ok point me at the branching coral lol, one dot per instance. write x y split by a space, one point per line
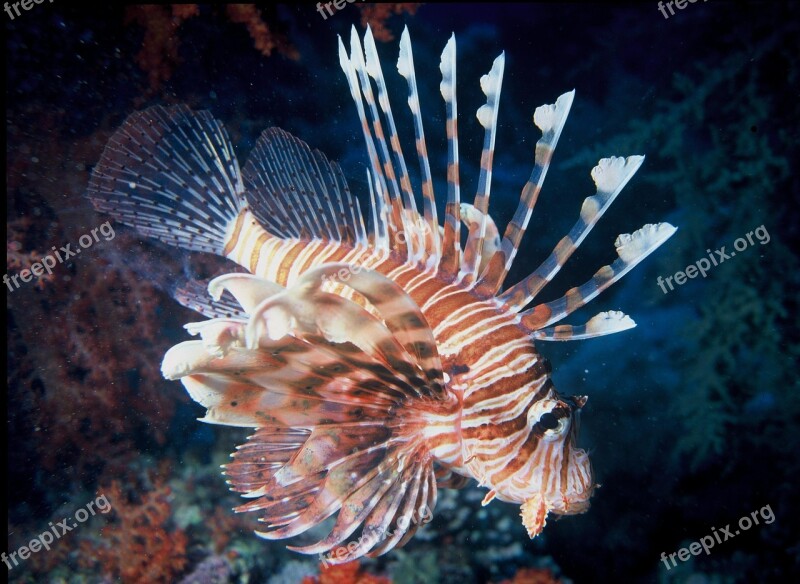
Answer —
159 55
376 15
533 576
20 232
349 573
139 547
19 261
83 382
90 395
265 39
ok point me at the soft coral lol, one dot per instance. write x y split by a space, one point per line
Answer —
349 573
138 548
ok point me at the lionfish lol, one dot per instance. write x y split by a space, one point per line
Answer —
375 365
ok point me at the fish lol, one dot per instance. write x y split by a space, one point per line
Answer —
375 365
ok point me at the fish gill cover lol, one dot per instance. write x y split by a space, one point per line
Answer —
692 415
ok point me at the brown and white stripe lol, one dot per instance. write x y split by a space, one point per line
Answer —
374 366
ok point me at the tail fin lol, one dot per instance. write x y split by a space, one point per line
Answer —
171 173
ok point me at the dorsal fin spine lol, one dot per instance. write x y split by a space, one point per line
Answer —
451 247
398 219
375 71
491 85
405 66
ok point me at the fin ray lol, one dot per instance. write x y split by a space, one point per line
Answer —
550 119
405 66
295 192
610 177
491 85
631 249
171 173
451 244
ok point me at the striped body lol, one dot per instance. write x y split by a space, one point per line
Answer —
493 366
376 367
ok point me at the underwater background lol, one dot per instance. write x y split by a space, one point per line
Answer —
693 418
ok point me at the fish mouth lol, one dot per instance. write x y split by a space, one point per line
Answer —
580 484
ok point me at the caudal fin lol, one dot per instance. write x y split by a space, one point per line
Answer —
171 173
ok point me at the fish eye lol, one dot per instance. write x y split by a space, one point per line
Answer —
548 421
544 418
553 427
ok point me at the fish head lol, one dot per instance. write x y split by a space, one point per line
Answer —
558 476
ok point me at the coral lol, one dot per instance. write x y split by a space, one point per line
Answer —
349 573
83 381
222 524
18 261
203 506
376 15
19 232
293 572
40 564
411 568
533 576
159 55
138 547
212 570
89 394
264 39
745 318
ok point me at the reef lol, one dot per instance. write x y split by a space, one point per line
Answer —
160 51
349 573
138 546
377 14
533 576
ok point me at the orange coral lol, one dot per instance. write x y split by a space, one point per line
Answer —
159 53
159 56
376 15
137 547
349 573
43 564
80 389
19 261
89 398
533 576
264 39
